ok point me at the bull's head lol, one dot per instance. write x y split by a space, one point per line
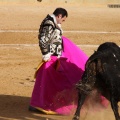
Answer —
92 68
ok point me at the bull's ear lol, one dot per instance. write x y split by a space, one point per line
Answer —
99 65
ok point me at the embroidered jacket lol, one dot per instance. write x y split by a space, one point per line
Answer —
50 40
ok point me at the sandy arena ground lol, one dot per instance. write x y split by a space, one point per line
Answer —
20 54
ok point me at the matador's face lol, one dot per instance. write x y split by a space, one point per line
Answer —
60 19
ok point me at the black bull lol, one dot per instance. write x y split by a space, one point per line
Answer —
102 72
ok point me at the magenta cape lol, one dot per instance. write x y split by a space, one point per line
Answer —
54 90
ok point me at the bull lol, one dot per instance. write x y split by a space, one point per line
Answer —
102 72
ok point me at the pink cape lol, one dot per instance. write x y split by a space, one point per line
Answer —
54 90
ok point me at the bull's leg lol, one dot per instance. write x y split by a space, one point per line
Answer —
114 106
81 99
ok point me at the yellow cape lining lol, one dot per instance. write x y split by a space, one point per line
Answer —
46 111
39 65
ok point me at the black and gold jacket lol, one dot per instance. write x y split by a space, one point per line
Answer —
50 37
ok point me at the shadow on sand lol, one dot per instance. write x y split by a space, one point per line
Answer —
16 107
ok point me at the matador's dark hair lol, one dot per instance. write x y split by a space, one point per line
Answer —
60 11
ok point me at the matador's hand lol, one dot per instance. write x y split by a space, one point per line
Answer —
46 57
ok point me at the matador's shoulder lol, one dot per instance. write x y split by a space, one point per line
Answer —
48 21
